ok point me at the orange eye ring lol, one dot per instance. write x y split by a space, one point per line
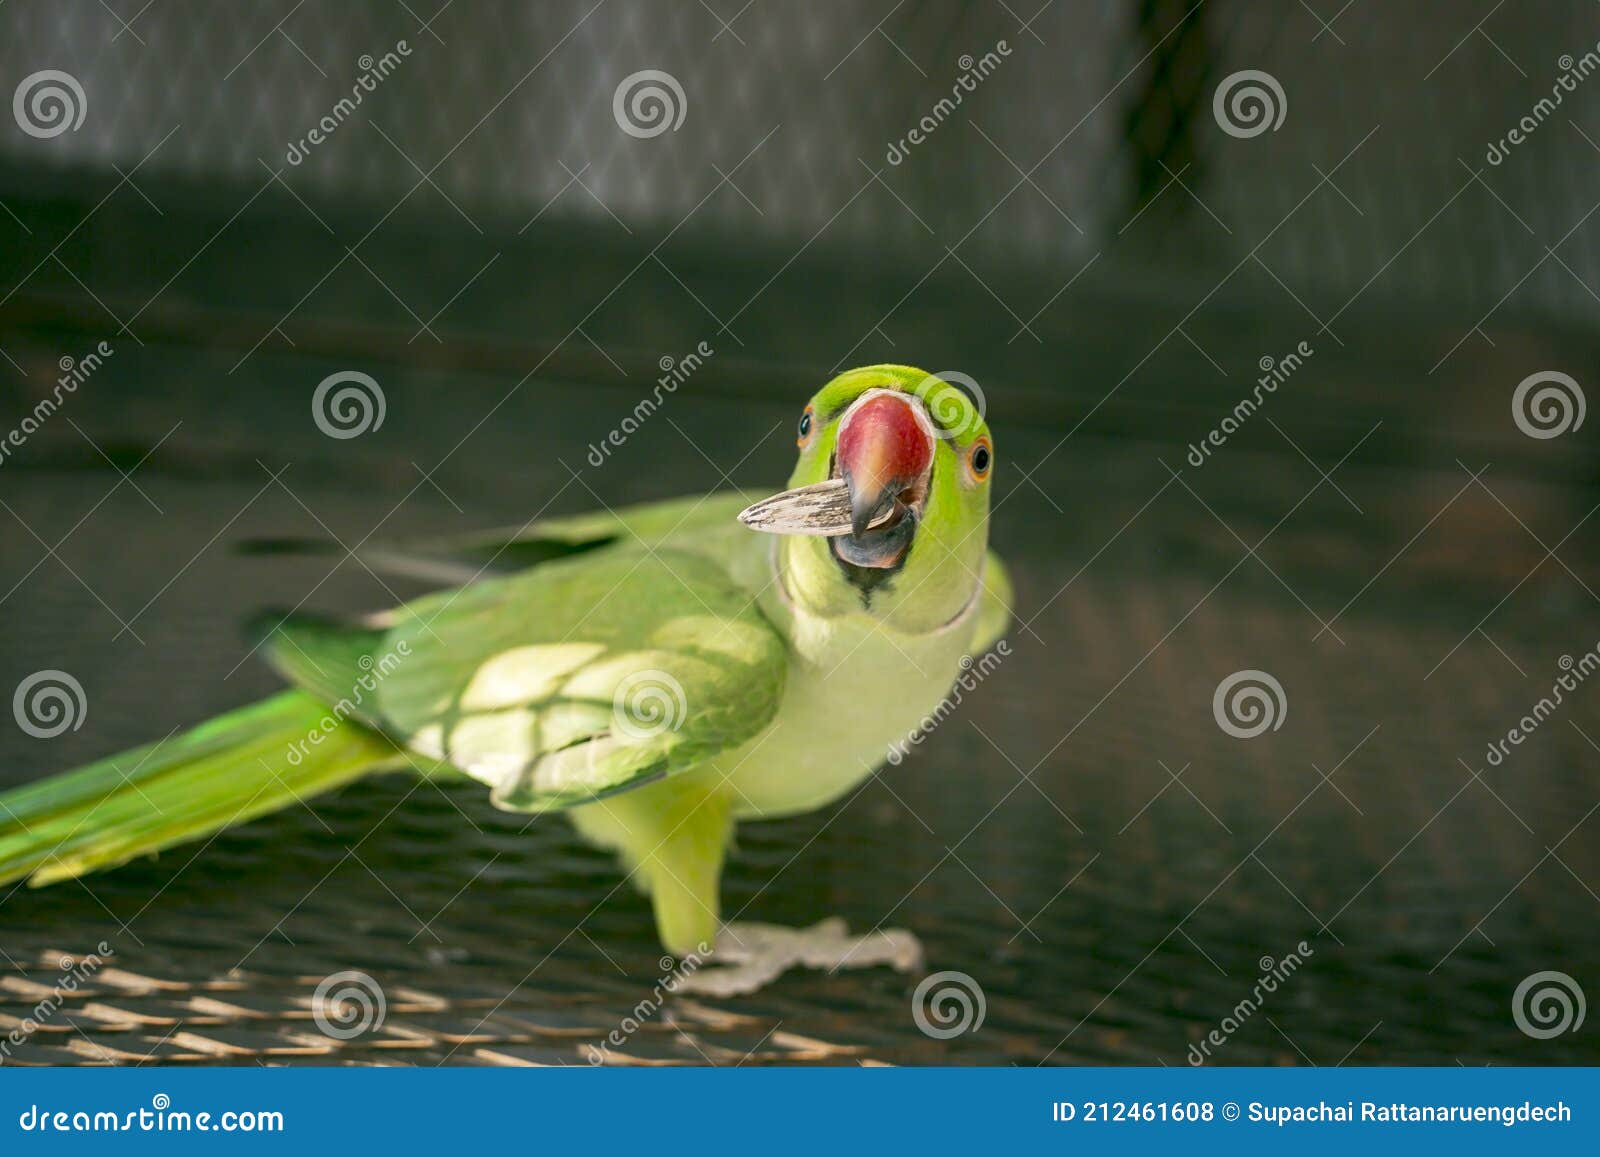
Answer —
980 458
806 423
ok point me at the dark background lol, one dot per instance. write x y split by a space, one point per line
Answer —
1082 239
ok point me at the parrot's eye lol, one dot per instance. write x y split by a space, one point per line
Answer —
805 427
980 458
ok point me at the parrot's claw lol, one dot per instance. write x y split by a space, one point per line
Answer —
748 957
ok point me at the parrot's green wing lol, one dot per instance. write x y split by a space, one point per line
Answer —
581 678
651 523
704 524
326 657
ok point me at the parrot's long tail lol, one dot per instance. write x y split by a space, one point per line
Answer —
228 770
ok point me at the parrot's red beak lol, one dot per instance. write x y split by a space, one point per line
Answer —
871 504
885 457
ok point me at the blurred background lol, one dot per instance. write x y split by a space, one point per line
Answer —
1119 219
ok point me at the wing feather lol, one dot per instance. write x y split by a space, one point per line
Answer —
584 677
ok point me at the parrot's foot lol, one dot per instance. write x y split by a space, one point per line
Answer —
748 957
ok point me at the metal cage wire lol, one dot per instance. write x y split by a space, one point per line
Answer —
1099 110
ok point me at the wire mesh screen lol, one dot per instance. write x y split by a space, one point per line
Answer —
1056 126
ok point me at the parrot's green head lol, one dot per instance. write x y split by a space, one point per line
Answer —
888 508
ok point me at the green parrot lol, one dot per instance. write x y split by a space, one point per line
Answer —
658 672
